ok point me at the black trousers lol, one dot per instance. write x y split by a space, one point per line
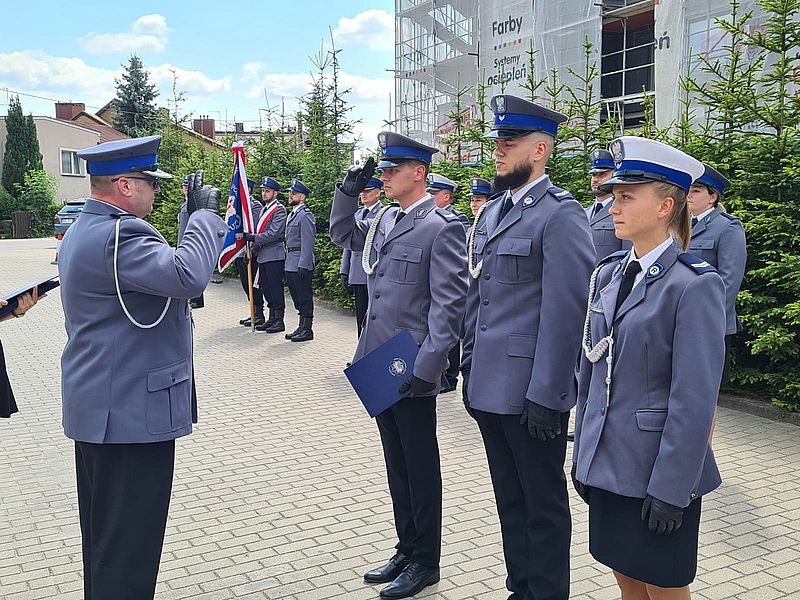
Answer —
450 376
361 296
531 493
123 500
726 369
270 282
411 452
300 290
258 297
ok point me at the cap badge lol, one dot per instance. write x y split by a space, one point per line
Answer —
501 105
382 140
617 152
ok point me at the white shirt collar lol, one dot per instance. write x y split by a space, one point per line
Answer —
416 204
605 202
523 191
374 208
298 207
649 259
704 214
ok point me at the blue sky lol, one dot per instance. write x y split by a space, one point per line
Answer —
224 57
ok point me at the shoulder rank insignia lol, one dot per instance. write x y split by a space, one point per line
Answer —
695 263
559 193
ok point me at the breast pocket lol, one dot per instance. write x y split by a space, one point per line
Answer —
293 234
404 263
705 249
514 260
479 243
169 398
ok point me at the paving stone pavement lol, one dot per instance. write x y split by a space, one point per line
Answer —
280 492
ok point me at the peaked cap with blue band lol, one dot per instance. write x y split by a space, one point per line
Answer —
138 155
374 183
397 148
299 186
601 161
270 183
639 160
515 116
714 179
250 185
480 187
438 182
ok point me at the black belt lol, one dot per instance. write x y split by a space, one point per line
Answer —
293 249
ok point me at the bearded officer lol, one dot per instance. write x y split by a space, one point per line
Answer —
416 275
301 235
127 366
531 255
350 271
600 220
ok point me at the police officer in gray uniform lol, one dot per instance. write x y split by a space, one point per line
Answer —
648 379
241 263
126 369
350 271
531 255
270 247
718 238
183 220
600 221
414 257
301 235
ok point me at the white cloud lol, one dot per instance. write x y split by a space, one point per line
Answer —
292 85
251 71
373 28
194 83
147 34
155 24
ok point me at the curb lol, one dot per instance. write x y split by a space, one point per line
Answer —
760 408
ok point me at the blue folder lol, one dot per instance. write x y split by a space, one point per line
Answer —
44 286
377 376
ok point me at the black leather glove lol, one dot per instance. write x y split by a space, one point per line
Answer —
357 178
344 280
414 386
201 197
249 237
664 518
581 488
304 273
465 393
543 423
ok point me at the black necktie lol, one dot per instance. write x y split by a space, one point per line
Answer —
508 203
399 217
626 286
597 208
694 221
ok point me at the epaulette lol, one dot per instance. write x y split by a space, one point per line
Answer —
728 216
560 193
448 215
696 264
613 256
497 195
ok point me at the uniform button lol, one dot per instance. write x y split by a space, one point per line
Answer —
380 274
564 396
405 254
486 302
384 251
489 251
377 295
487 277
483 327
603 410
372 317
693 495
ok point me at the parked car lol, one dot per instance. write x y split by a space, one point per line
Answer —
66 216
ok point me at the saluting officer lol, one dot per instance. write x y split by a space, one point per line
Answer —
530 258
351 272
242 265
600 221
648 380
269 242
480 190
183 220
414 257
301 234
126 380
718 238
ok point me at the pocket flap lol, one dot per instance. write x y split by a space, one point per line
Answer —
605 225
515 246
648 419
480 242
406 253
701 245
523 346
159 379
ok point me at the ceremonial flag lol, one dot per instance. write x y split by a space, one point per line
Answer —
238 216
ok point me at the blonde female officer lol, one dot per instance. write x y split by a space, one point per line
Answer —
648 380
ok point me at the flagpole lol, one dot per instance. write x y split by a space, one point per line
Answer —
250 285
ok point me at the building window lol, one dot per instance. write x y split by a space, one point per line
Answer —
707 39
71 164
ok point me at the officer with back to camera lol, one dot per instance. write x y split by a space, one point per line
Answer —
127 366
531 255
414 257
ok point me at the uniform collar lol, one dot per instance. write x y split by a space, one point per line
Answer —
609 199
523 191
649 259
99 207
416 204
705 213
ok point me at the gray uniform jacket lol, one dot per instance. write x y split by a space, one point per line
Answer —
602 226
183 219
351 261
120 383
420 282
301 233
651 437
461 216
270 246
525 311
718 238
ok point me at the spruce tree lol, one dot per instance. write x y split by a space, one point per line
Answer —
22 148
136 112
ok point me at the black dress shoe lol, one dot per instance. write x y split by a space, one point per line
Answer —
411 581
389 571
246 321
